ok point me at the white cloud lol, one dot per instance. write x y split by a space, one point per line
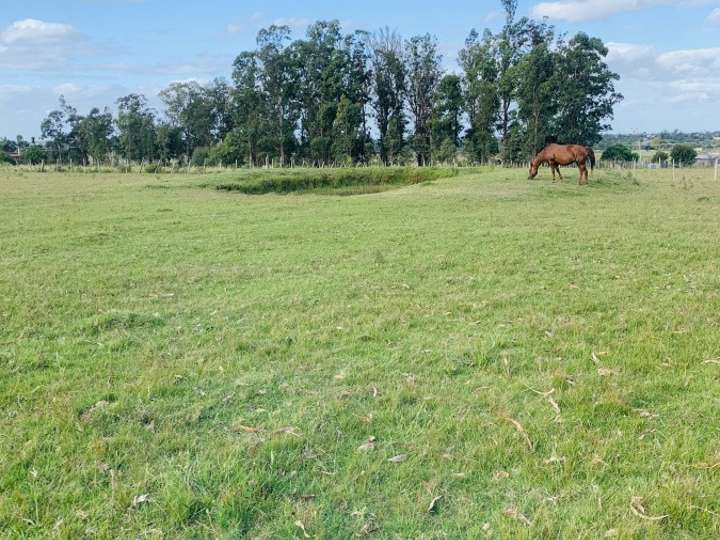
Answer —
714 18
34 31
31 44
234 28
587 10
67 89
681 76
691 62
634 60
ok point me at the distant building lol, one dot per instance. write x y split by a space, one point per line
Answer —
707 160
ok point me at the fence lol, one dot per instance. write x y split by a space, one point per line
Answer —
177 167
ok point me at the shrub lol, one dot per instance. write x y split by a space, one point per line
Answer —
660 157
153 168
619 152
446 152
4 158
230 151
35 154
683 154
200 156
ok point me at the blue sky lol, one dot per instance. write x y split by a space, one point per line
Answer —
93 51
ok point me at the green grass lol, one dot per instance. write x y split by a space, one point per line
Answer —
230 356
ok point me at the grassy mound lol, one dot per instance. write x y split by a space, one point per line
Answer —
324 180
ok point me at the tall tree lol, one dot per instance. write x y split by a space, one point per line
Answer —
348 136
586 93
248 105
510 41
447 118
136 127
422 68
61 131
52 130
220 96
169 142
359 87
480 67
73 138
95 131
190 107
323 66
389 93
279 84
537 94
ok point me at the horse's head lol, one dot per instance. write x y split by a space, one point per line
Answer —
534 166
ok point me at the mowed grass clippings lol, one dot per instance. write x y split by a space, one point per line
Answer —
477 356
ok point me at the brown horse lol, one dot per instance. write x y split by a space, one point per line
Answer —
558 154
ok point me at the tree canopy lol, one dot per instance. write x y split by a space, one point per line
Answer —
619 152
683 154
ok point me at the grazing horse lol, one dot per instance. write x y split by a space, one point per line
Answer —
564 154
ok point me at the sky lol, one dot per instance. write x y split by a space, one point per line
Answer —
667 52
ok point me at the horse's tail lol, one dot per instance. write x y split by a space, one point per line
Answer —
591 156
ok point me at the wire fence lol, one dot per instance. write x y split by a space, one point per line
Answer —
178 167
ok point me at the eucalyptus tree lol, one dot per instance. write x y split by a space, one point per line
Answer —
52 130
509 51
136 128
73 139
279 89
248 105
189 107
323 64
348 137
219 94
61 131
169 142
447 117
480 67
95 133
537 90
358 89
586 90
423 72
389 93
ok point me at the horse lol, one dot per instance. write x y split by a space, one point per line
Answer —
556 154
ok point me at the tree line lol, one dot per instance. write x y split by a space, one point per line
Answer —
681 154
358 98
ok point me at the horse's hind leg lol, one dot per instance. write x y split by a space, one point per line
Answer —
557 168
583 174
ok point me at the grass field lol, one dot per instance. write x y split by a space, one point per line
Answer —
467 357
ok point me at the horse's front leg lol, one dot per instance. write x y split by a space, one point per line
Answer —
558 171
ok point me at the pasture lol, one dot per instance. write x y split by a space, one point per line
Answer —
472 356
